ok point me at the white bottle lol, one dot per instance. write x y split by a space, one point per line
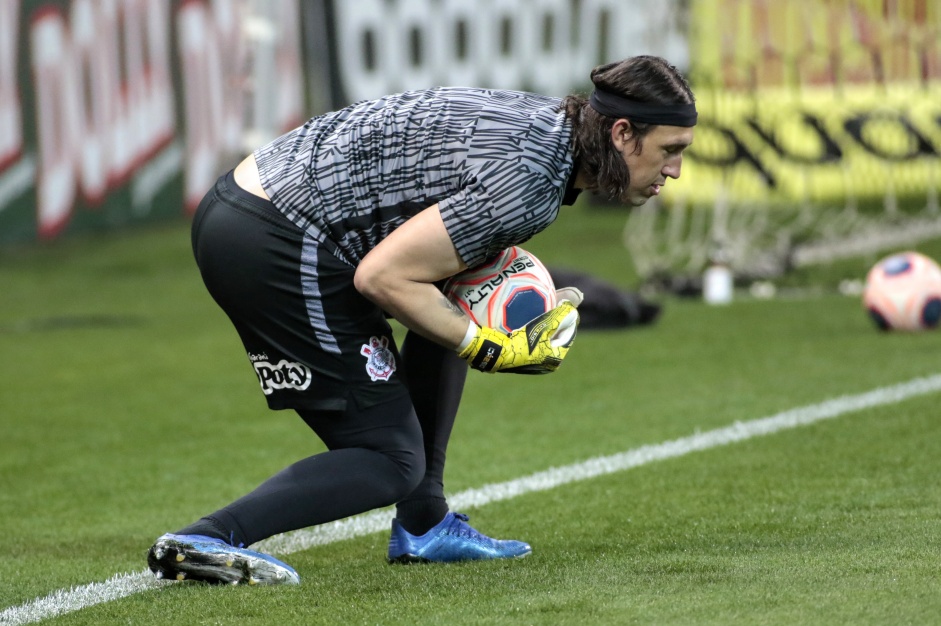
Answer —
717 284
718 280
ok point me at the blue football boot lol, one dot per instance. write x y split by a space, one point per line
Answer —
453 539
207 559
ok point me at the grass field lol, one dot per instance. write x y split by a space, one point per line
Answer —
128 409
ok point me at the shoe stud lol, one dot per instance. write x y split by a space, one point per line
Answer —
180 557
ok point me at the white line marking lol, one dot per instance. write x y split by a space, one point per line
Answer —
77 598
123 585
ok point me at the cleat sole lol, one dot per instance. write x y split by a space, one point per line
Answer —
408 559
215 563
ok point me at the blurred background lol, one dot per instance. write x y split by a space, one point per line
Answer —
819 133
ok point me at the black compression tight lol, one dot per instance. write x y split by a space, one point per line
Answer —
435 377
375 458
389 453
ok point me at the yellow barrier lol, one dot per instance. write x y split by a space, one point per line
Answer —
807 100
817 148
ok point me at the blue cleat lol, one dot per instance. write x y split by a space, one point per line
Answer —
453 539
207 559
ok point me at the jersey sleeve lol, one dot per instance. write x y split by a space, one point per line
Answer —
497 208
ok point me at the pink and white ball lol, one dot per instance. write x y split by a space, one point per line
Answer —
903 292
505 293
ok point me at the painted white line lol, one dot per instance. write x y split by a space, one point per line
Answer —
77 598
122 585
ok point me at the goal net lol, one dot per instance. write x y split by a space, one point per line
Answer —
819 138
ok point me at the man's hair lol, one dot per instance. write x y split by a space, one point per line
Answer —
646 79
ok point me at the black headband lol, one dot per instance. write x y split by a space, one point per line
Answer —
613 105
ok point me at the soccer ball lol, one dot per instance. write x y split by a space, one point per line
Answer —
505 293
903 292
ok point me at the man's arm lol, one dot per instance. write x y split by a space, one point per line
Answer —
398 275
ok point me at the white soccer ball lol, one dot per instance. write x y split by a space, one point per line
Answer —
505 293
903 292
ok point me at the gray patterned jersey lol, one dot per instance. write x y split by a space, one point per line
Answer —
496 162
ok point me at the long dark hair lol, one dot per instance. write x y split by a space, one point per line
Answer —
645 78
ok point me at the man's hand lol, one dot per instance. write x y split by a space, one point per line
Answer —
537 348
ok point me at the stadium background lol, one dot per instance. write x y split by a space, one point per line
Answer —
124 111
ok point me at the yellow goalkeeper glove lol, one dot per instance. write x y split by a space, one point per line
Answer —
536 348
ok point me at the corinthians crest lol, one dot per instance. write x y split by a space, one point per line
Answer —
380 362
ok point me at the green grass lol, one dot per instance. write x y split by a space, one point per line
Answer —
128 409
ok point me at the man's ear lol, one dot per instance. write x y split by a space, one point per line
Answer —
621 134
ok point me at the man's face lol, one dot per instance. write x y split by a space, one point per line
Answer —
660 156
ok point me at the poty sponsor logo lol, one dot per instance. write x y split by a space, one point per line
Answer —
284 375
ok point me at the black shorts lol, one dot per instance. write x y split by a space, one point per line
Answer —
314 341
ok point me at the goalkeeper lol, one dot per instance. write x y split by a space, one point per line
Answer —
316 238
